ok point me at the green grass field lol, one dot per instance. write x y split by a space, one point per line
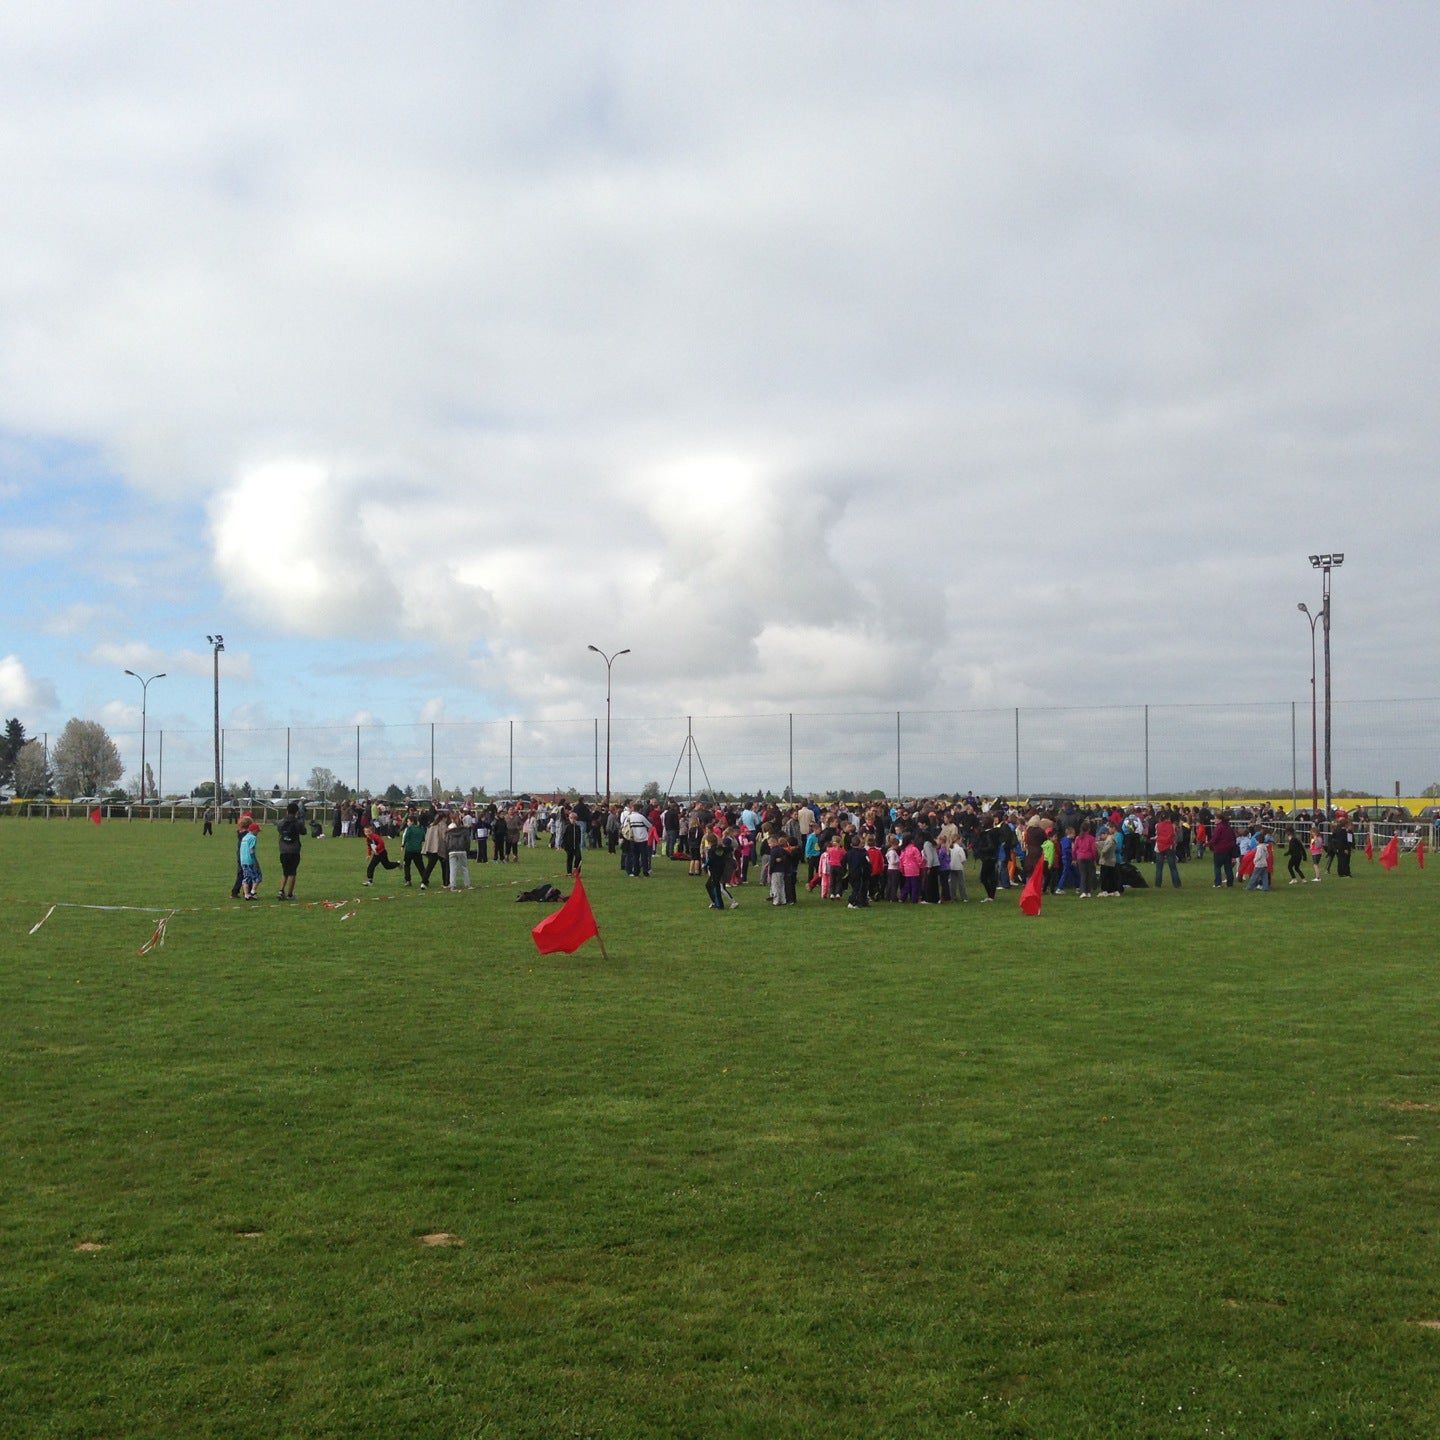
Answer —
1164 1167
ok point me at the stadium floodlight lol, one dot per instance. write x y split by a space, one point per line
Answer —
609 661
144 710
1312 617
1325 564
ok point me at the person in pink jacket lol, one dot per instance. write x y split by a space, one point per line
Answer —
912 867
1086 852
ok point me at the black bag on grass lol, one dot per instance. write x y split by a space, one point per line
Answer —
544 894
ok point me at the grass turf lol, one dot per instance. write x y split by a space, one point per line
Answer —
1164 1166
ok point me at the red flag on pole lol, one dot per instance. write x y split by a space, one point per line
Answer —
1420 854
1390 855
1370 846
95 816
569 927
1034 889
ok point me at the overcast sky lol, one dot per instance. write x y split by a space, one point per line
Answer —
828 356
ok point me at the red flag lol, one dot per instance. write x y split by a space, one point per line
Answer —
569 927
1420 854
1390 855
1370 847
95 816
1034 888
1247 865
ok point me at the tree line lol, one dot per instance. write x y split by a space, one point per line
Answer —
84 760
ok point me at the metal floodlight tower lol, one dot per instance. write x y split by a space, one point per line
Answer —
1314 702
144 712
1324 564
217 644
609 661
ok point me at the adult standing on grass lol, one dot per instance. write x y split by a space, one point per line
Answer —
290 829
1344 844
1224 847
209 818
639 831
437 850
572 835
988 845
1165 852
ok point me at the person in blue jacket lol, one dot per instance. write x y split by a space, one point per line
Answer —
250 861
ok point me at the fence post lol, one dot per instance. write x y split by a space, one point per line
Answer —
792 755
512 757
1017 754
1147 754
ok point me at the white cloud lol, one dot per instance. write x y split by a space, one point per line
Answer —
147 660
292 547
121 716
74 618
20 692
805 368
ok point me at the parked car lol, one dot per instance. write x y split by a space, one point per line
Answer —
1376 813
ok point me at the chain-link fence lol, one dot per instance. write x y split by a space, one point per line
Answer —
1381 748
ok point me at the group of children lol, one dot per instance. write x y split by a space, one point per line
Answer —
918 869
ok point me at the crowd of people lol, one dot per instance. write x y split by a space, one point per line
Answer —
917 853
859 853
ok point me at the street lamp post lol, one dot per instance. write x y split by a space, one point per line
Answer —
1314 701
609 661
217 644
144 713
1324 564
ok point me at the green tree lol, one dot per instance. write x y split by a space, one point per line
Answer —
394 795
12 742
86 758
651 790
1430 792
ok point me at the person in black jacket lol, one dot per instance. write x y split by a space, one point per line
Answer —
1344 844
571 838
857 867
718 864
987 847
290 830
1295 858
